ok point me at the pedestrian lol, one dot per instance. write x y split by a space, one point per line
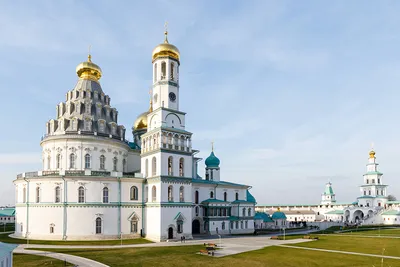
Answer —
184 239
181 239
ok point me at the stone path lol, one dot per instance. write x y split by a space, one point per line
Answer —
342 252
78 261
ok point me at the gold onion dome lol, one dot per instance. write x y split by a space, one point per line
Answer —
141 120
89 70
166 50
372 154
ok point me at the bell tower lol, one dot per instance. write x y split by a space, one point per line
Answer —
166 75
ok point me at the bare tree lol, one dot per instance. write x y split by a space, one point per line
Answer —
392 198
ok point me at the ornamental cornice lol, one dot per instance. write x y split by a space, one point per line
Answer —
162 82
158 150
93 138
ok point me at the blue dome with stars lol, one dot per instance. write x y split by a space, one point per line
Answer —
212 161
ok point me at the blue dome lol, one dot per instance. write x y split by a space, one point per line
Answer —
278 215
212 161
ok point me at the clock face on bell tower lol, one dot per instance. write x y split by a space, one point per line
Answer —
172 97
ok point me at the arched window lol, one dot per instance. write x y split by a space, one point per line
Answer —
134 193
211 194
102 162
72 161
170 166
124 165
172 71
81 194
196 210
87 161
37 194
98 225
181 194
146 171
181 167
170 193
163 70
115 164
249 212
155 72
57 194
48 162
154 194
58 161
154 166
24 195
105 195
244 212
196 197
237 196
225 196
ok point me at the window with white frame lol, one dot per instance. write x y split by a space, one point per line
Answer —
81 194
57 194
87 161
102 162
181 167
58 161
105 195
154 194
115 164
181 194
170 193
134 193
98 225
72 161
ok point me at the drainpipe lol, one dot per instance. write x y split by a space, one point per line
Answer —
143 231
27 208
119 207
64 209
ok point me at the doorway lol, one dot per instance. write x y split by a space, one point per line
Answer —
196 227
170 233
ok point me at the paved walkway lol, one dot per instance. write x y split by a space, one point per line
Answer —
342 252
78 261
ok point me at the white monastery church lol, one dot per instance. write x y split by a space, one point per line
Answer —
97 185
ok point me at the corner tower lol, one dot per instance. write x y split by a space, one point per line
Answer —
212 167
328 196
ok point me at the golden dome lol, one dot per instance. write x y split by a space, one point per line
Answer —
89 70
372 154
141 120
166 50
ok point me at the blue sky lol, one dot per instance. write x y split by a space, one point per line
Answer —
292 92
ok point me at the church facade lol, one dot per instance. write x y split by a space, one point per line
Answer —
371 207
95 184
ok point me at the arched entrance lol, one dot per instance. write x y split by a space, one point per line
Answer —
170 233
358 216
196 227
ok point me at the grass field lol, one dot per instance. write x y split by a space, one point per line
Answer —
25 260
186 255
376 232
356 244
6 239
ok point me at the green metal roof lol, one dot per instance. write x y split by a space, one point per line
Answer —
7 211
393 202
278 215
335 212
212 161
234 218
366 197
374 173
213 200
201 181
241 201
250 197
391 212
263 216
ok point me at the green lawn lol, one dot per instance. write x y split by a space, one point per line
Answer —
356 244
25 260
377 232
186 255
6 239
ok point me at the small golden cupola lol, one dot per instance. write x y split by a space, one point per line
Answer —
372 154
88 70
165 49
141 120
